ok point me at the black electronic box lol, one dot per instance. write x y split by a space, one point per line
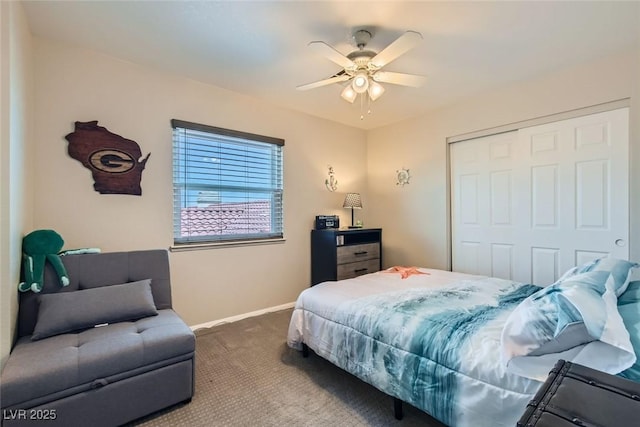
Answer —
327 221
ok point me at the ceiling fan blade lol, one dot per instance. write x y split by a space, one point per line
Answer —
333 55
401 45
325 82
402 79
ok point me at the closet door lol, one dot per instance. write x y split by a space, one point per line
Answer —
528 205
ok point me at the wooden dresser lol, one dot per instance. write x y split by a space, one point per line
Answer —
338 254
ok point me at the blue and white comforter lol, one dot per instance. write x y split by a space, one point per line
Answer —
430 340
472 350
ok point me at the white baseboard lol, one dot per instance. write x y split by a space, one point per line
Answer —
243 316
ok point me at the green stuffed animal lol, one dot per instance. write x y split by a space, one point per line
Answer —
38 247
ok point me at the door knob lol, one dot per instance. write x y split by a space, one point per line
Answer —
620 242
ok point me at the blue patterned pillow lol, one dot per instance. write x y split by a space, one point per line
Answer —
629 308
618 268
579 309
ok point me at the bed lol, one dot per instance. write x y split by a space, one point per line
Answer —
471 350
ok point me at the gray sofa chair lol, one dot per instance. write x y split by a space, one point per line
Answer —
65 371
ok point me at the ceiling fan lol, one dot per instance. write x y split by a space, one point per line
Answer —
363 68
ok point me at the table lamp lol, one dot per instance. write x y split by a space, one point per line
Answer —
353 201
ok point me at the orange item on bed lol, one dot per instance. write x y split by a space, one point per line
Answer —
404 271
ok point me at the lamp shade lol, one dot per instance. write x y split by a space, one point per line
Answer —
353 201
348 94
375 90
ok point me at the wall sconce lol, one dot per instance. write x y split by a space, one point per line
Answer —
402 177
331 183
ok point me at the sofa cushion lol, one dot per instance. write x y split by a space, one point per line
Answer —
37 369
72 311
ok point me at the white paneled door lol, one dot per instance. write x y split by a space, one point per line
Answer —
529 204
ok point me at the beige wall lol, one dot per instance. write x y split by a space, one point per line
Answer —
415 217
15 154
42 187
138 103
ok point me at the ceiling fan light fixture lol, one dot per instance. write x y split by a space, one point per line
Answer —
375 90
362 69
348 94
360 83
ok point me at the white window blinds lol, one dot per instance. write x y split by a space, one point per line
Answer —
227 185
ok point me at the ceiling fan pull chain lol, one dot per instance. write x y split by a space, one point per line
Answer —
361 107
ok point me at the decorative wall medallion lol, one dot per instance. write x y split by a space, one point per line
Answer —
402 177
114 161
331 183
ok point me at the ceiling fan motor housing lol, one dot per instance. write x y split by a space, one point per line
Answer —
361 57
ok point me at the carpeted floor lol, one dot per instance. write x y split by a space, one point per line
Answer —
246 375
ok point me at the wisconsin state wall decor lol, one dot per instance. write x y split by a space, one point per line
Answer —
114 161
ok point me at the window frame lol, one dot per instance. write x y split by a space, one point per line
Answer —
276 193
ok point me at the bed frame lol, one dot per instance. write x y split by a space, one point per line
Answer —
398 410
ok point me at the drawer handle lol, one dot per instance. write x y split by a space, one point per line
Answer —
360 270
361 253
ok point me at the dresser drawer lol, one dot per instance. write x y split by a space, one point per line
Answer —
355 253
354 269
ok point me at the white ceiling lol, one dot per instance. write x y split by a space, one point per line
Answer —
260 48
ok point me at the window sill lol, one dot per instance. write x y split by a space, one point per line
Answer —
218 245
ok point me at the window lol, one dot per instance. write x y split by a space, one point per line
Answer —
227 185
